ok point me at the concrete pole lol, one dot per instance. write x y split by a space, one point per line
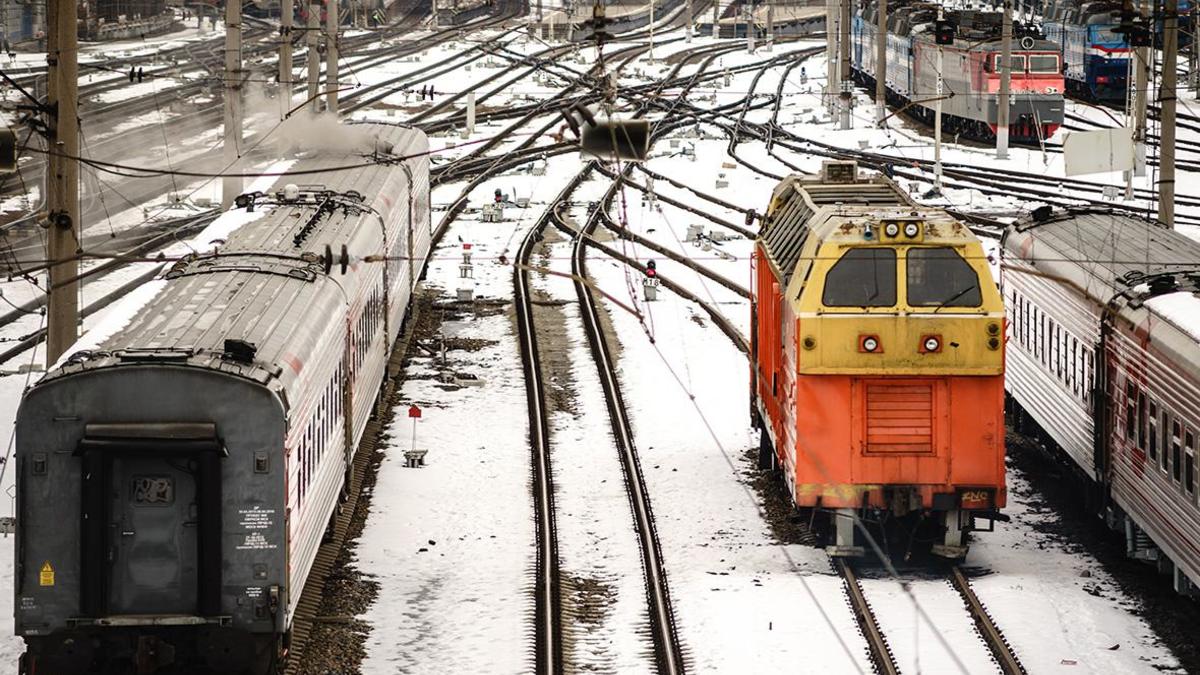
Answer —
1167 96
62 177
937 121
716 31
231 186
286 13
651 26
881 62
831 62
332 19
844 68
311 38
770 25
748 8
690 20
470 113
1142 84
1005 83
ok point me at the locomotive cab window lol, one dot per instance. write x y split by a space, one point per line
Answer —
1043 63
940 277
862 277
1017 61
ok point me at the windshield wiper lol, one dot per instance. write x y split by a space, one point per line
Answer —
952 298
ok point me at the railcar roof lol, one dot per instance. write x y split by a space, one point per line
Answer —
1109 253
265 283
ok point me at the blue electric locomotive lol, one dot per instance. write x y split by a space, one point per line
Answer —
1095 56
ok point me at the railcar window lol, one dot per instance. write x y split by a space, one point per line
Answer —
1166 435
1141 403
939 277
1175 451
1190 470
1153 444
862 277
1043 63
1130 412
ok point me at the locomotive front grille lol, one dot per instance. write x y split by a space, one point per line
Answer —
899 419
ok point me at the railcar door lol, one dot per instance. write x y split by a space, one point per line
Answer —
155 521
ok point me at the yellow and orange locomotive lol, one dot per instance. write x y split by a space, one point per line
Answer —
878 379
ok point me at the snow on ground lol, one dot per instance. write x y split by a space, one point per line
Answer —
743 603
462 603
928 627
1058 607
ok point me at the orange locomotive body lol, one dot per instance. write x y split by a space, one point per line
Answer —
879 362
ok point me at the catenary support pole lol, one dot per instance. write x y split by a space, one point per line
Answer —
312 38
689 25
881 62
716 27
62 177
831 61
332 21
770 25
287 13
231 186
847 86
937 120
1006 35
1167 96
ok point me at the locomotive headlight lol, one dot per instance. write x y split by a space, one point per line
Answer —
993 328
910 230
810 342
993 343
870 343
891 229
932 344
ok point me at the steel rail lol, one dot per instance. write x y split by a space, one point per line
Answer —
995 640
881 653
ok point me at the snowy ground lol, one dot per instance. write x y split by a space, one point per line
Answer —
451 544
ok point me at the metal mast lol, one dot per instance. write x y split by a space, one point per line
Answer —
847 87
286 13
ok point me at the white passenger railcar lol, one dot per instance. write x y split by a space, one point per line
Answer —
1104 360
175 477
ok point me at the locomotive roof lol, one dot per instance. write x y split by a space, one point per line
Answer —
841 211
1112 256
263 282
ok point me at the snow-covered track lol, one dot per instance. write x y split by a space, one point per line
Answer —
881 652
662 623
996 642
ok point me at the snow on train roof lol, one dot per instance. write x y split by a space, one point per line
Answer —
1110 253
138 319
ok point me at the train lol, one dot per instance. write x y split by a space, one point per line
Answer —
177 468
878 363
1095 53
1104 369
971 72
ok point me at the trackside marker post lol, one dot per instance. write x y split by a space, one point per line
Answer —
414 458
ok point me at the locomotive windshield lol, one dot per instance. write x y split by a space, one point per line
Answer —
939 277
1043 63
862 277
